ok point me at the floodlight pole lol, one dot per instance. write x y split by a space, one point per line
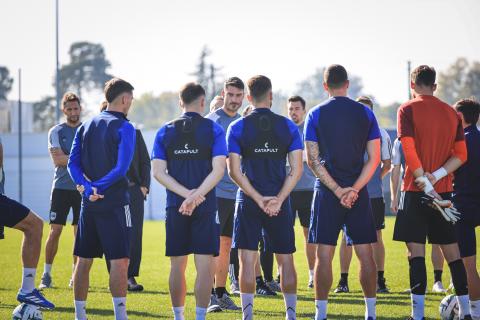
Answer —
57 74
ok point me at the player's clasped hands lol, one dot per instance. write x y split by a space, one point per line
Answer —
192 201
347 196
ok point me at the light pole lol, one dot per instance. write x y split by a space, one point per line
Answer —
57 75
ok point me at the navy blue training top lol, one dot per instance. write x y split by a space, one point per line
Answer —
467 177
341 127
188 144
102 151
263 139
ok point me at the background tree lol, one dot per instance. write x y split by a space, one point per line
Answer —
311 89
460 80
44 114
206 74
151 112
87 69
5 82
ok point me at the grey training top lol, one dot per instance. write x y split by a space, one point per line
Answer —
307 181
61 136
226 188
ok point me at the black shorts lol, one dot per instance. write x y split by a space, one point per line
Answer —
11 212
226 212
301 202
61 202
417 221
470 209
378 210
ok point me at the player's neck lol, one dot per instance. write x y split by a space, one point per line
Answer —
72 124
229 113
115 108
337 93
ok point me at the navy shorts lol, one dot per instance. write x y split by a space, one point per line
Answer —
417 222
197 234
251 223
301 202
11 212
61 202
329 217
104 233
465 228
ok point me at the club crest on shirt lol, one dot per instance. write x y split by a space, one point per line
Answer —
266 149
186 150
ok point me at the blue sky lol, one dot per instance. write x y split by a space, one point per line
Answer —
155 43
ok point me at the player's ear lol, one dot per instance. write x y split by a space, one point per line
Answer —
222 93
271 95
202 102
325 87
249 98
412 85
434 87
347 84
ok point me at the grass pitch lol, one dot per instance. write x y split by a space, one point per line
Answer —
154 302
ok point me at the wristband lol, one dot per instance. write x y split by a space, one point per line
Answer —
428 184
440 173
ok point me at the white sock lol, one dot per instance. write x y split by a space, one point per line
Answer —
310 275
120 308
247 305
418 306
28 280
200 313
475 308
178 313
370 304
47 268
290 306
320 309
463 306
80 310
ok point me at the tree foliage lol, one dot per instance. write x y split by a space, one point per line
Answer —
6 82
87 69
460 80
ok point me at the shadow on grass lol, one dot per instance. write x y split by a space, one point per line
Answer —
108 312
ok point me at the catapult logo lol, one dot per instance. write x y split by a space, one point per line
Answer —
186 150
266 149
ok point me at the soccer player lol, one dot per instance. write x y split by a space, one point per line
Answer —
338 132
398 164
226 190
64 193
188 158
17 216
377 203
434 147
467 199
258 146
302 195
100 157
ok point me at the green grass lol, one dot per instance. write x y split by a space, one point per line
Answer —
154 302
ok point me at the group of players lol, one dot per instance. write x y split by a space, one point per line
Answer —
234 182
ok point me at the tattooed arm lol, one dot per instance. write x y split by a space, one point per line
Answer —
315 164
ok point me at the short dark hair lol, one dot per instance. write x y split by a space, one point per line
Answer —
365 100
423 76
191 92
469 108
258 87
234 82
335 76
115 87
69 97
297 99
